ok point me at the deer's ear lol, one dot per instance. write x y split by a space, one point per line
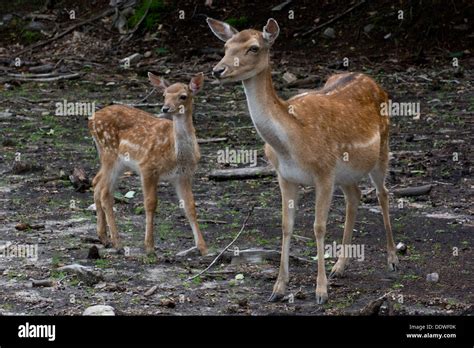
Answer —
157 82
195 85
220 29
271 31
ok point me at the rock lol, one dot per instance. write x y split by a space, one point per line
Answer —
368 28
99 310
432 277
93 253
289 77
35 26
147 54
86 274
79 179
5 115
167 302
329 33
402 248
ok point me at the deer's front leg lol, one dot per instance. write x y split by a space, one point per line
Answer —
289 196
184 190
324 190
149 183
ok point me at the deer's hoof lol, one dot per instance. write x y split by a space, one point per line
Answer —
393 263
275 297
321 297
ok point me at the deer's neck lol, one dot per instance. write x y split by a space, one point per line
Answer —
268 112
185 142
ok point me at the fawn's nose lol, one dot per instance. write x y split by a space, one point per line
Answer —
218 71
165 109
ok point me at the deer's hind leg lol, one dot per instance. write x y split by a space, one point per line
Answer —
377 175
352 196
101 219
110 171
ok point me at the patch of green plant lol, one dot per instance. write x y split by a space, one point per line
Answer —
102 263
242 21
30 36
55 274
56 261
410 277
156 7
160 51
149 259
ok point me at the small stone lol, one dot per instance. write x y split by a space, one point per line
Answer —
289 77
167 302
329 33
99 310
368 28
93 253
147 54
432 277
402 248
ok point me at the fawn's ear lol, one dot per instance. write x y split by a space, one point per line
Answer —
271 31
195 85
220 29
157 82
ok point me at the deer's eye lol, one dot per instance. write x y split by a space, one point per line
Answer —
183 97
253 49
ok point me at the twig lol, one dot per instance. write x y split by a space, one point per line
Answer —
333 19
48 79
227 247
147 96
211 140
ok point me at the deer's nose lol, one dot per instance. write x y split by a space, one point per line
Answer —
165 109
217 72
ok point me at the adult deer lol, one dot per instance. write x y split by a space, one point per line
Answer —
323 138
158 149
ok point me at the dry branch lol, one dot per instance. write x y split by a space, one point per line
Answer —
413 191
241 173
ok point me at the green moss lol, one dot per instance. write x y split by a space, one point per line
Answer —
30 36
242 21
153 16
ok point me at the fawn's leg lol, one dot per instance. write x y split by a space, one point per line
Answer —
149 184
352 196
183 187
324 191
101 220
107 204
289 196
377 175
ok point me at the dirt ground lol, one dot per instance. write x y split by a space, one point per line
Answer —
437 228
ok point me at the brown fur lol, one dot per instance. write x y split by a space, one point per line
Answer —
157 148
326 138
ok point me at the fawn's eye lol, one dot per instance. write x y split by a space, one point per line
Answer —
253 49
183 97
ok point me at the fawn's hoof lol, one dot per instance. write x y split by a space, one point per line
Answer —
393 263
